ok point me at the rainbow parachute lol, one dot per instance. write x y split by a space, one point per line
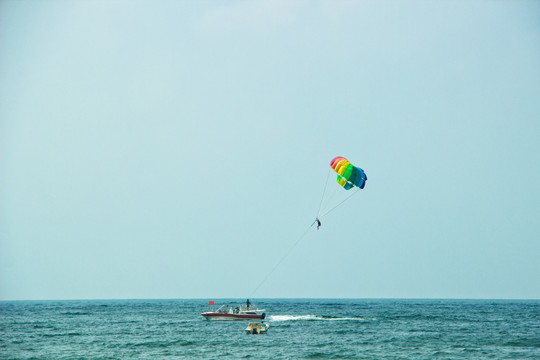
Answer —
349 175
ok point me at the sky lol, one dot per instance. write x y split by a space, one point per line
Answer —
181 149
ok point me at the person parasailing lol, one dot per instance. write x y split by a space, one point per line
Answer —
348 177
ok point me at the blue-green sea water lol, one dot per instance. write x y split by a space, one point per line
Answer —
299 329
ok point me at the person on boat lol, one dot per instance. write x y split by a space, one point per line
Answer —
248 304
318 223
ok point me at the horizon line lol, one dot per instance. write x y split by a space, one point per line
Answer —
278 298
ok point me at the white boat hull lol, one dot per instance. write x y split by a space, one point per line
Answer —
248 315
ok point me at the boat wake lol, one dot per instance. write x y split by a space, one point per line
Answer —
312 318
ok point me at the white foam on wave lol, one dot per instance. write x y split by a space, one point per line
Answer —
311 317
292 317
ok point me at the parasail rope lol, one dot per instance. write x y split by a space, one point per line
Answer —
328 202
347 198
307 230
324 192
281 260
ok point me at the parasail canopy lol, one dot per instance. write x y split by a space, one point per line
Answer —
349 175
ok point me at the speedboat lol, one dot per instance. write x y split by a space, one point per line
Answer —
255 328
224 312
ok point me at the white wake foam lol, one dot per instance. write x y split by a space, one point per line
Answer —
311 317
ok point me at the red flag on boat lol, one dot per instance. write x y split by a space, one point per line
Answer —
211 302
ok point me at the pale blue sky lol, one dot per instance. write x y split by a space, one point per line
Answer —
177 149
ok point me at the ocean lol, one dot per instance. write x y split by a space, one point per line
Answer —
299 329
